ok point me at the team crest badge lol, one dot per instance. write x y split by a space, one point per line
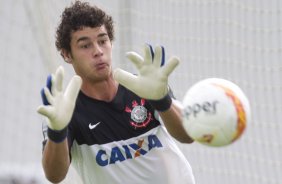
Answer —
139 115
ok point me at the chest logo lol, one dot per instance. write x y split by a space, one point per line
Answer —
92 126
139 115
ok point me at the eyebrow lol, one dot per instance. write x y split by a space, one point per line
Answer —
87 38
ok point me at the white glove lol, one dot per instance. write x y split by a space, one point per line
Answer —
152 81
60 105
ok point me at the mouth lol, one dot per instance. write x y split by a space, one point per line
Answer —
101 66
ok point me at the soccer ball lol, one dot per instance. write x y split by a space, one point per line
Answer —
215 112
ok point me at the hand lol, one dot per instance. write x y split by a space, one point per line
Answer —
152 81
58 105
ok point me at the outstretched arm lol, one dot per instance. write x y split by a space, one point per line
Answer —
152 84
172 119
58 107
55 160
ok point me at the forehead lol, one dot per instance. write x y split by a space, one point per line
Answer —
88 32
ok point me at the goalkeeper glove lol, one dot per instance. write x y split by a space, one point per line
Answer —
58 106
152 81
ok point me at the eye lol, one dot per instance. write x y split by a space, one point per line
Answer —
85 46
103 40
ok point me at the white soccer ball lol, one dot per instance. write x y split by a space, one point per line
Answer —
215 112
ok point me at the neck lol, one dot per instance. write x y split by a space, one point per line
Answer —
103 90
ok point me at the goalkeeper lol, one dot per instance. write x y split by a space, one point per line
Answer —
112 126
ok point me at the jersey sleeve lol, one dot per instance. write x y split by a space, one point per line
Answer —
44 133
71 136
170 92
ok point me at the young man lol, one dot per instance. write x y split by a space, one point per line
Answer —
107 123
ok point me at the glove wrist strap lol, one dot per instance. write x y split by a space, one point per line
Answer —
57 136
162 104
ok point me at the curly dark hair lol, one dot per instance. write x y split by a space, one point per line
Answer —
77 16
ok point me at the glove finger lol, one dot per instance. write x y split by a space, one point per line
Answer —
59 77
135 58
43 97
47 111
49 82
73 88
159 59
149 54
170 66
125 78
48 96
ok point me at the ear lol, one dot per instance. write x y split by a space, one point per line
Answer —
66 55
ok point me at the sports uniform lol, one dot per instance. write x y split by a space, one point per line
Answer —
123 141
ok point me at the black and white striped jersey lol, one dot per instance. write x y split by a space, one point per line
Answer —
123 141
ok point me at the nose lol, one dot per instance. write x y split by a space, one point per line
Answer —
97 50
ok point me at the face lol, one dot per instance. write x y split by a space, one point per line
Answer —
91 53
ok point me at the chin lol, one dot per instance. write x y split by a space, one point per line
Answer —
103 77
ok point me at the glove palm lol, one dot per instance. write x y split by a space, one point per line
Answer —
60 105
152 81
